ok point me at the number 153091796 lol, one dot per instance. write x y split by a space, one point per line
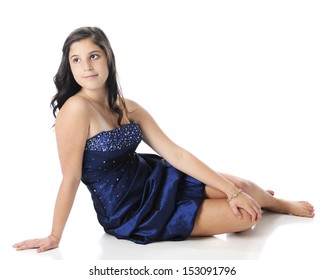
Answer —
208 270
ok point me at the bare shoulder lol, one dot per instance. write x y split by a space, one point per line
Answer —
76 106
153 135
73 119
131 105
135 111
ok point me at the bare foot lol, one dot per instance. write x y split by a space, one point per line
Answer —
271 203
270 192
297 208
268 202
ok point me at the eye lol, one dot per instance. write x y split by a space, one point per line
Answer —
76 60
94 56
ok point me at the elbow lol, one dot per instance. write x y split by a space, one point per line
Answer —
72 181
179 157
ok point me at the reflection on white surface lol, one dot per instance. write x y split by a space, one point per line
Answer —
275 237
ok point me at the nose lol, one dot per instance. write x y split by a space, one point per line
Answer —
88 66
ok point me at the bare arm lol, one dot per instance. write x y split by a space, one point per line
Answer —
178 157
187 162
72 125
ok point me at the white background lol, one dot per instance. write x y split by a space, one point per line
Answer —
238 83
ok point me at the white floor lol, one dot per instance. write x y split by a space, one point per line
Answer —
276 237
238 83
292 244
278 240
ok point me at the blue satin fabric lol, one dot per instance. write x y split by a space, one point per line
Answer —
139 197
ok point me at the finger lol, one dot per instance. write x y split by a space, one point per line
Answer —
259 213
251 211
236 211
254 217
16 245
24 247
254 205
258 210
21 243
42 249
28 244
19 246
46 247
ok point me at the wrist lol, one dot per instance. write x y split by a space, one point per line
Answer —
54 238
231 189
234 195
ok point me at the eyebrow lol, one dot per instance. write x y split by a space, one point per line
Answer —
76 55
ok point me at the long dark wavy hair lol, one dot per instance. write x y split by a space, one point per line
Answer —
66 84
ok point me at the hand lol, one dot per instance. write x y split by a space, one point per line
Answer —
41 244
247 203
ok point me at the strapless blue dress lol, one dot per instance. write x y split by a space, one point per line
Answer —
139 197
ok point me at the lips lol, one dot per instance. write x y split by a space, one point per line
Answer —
90 76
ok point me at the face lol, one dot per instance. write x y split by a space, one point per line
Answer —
88 64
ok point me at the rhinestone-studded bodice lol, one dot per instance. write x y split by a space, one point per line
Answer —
116 139
138 196
108 151
108 164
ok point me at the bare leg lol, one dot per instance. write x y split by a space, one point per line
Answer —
216 217
266 198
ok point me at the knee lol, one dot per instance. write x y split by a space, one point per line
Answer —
245 185
246 220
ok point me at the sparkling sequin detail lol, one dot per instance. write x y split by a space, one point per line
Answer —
138 196
116 139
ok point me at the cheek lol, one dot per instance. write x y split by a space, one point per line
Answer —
104 72
107 73
74 71
104 68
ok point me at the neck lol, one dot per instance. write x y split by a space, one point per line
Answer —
98 96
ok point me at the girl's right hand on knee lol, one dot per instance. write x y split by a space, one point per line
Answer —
244 201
